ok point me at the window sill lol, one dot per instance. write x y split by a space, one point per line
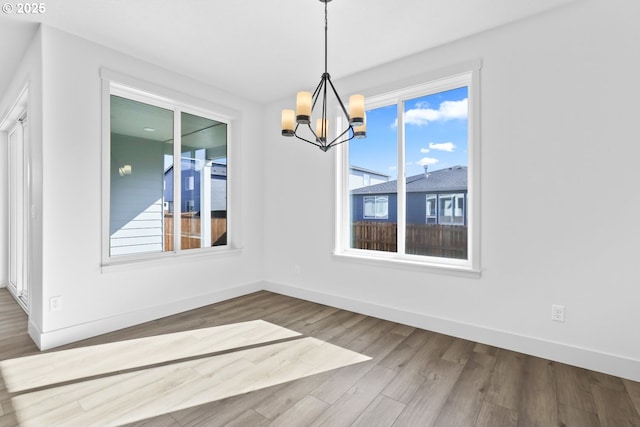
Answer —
168 258
408 264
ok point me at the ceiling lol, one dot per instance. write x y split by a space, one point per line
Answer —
140 120
263 50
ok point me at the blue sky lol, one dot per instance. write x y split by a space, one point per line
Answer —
435 135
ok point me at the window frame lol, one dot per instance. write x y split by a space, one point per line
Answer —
467 74
114 83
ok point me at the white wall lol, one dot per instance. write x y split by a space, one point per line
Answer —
96 300
28 72
4 211
559 196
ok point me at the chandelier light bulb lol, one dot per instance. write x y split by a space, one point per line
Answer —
360 131
356 110
288 122
322 126
303 108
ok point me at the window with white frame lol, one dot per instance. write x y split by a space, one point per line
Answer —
425 137
375 207
161 188
451 209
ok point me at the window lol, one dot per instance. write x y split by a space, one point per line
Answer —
189 183
167 177
432 217
451 209
376 207
425 138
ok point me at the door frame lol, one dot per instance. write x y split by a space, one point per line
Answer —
18 187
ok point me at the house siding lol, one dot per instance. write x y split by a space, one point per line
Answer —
357 210
136 220
417 208
416 211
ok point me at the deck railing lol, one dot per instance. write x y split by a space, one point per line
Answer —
190 231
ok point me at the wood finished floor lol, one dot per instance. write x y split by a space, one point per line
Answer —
414 377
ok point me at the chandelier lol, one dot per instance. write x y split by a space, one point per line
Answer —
306 103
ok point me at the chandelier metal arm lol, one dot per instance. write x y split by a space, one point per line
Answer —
335 92
325 147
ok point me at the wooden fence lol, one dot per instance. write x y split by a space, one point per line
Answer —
190 231
448 241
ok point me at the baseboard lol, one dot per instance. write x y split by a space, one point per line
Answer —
611 364
560 352
52 339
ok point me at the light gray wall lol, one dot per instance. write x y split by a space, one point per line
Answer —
4 211
559 95
95 299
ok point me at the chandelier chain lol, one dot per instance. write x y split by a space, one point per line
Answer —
326 30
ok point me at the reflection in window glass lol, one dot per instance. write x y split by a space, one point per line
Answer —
148 203
141 136
204 177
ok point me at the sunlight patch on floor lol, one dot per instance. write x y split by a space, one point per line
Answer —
27 373
125 397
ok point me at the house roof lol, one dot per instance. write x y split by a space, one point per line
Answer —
443 180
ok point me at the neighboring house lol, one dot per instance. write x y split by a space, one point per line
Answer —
191 188
438 197
361 177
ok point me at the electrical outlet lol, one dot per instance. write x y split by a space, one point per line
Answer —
55 303
297 269
557 313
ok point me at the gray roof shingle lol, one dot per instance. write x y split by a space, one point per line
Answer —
449 179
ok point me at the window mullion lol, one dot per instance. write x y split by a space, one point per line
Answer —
343 201
401 187
177 181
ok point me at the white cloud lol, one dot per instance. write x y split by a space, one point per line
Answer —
427 161
442 146
424 150
448 110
